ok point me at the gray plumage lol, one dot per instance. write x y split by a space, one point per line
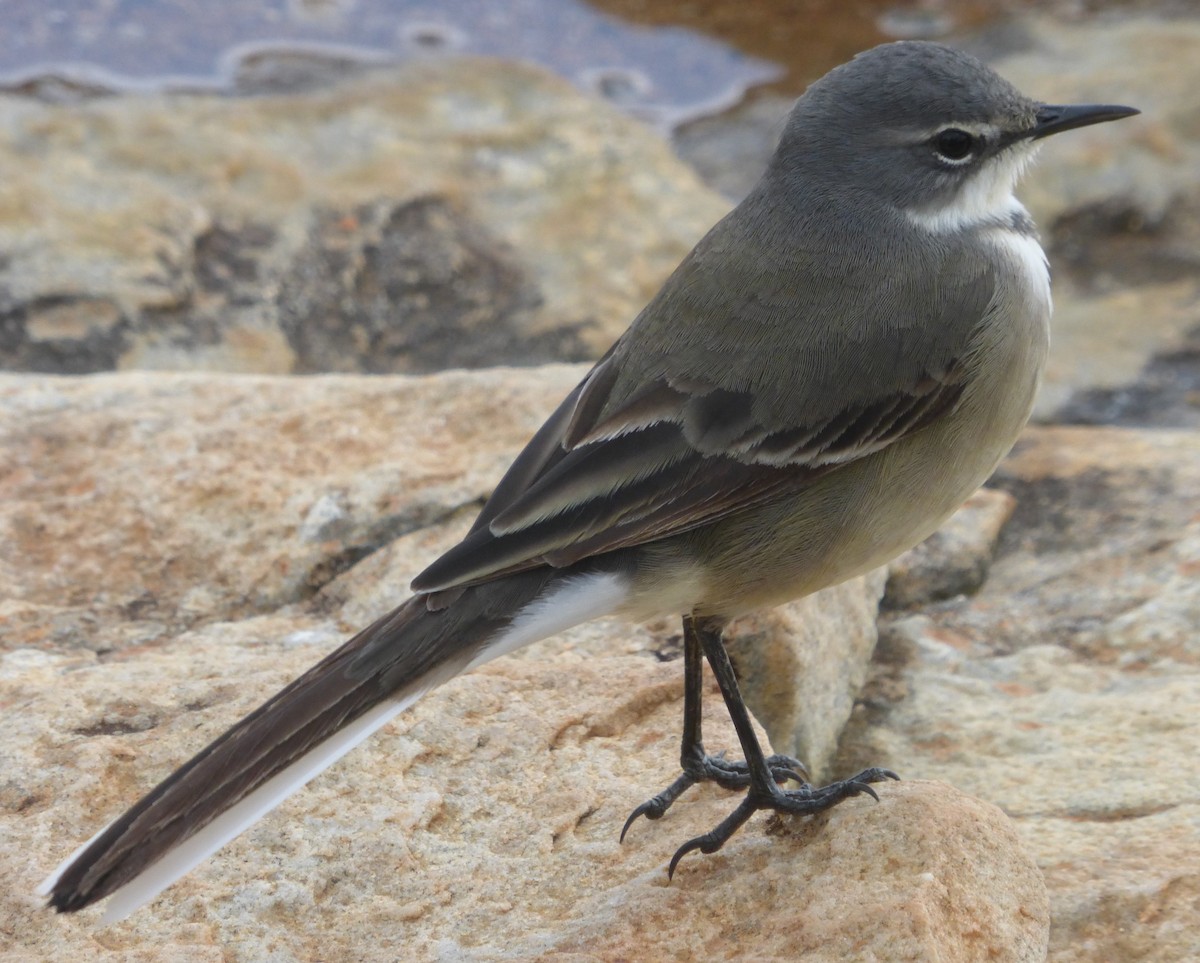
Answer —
832 370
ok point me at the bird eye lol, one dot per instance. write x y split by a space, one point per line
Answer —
954 145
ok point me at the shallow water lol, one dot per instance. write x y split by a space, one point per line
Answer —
77 48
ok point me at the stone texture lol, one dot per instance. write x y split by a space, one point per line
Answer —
1065 690
137 505
447 213
483 826
1165 395
965 892
176 547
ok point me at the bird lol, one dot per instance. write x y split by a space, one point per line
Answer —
822 381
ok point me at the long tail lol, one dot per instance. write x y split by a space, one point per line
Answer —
312 723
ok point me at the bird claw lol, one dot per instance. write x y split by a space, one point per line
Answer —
657 806
805 801
784 768
736 774
863 787
680 853
714 768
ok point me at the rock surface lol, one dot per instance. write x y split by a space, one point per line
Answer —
484 825
176 547
475 213
1065 690
459 213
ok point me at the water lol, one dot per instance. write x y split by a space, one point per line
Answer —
67 49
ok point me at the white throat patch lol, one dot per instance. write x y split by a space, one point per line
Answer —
986 197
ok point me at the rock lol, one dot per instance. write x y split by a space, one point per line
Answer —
1165 395
261 492
1106 343
967 891
484 825
175 547
446 213
136 505
1064 690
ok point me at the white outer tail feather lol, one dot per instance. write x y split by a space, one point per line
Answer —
193 850
566 603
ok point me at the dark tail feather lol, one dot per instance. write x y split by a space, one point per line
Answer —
285 742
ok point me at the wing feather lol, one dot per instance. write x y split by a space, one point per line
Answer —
632 486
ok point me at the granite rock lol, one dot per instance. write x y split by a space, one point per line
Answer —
1064 690
460 212
177 546
483 825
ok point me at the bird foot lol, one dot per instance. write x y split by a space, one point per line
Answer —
804 801
728 774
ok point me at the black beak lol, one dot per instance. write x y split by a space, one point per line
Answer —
1055 119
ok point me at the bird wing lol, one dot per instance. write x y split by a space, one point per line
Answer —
678 427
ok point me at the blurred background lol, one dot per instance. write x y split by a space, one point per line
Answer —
299 186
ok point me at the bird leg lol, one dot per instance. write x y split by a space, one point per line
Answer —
760 775
696 763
